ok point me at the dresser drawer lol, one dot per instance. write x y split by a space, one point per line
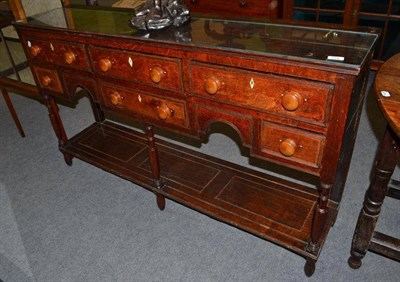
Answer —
139 104
291 144
297 98
146 69
48 79
59 53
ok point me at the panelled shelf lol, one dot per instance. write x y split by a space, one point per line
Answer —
271 208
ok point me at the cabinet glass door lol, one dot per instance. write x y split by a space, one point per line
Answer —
317 10
384 14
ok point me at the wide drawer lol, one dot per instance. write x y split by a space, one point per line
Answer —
59 53
48 79
297 98
291 144
139 104
146 69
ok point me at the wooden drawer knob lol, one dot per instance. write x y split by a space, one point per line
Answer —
35 50
242 3
288 147
105 64
115 98
291 101
156 74
212 85
45 80
69 57
163 111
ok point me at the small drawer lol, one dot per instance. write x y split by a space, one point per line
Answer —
39 50
48 79
297 98
59 53
138 104
146 69
291 144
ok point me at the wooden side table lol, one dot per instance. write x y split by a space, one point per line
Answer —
387 91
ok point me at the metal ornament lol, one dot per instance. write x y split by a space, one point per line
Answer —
159 14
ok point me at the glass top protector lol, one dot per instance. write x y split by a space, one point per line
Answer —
336 47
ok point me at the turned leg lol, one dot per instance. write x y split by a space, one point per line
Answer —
155 165
160 201
319 219
318 226
12 111
385 164
57 125
309 268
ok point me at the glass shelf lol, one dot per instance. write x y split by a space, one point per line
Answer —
281 40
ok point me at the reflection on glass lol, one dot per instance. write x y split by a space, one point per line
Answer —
98 2
375 22
20 70
306 3
102 21
375 6
132 4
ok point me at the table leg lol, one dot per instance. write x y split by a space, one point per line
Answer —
385 164
309 267
12 111
319 219
155 164
57 125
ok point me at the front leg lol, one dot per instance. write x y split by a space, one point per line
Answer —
319 219
318 226
155 164
309 267
58 127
